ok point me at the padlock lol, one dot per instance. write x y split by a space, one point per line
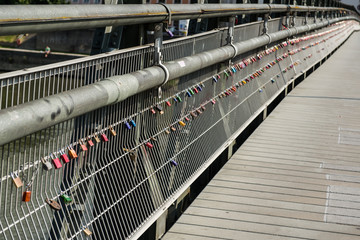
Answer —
72 153
127 125
16 179
182 123
53 204
167 131
188 93
187 119
203 107
168 103
82 145
87 232
90 142
198 111
191 91
169 32
133 155
66 198
64 157
214 78
104 137
173 163
149 145
213 101
193 114
112 131
175 100
97 139
56 161
132 122
195 90
199 88
26 195
46 164
178 98
173 129
152 111
159 108
153 139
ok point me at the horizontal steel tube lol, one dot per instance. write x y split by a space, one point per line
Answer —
15 19
31 117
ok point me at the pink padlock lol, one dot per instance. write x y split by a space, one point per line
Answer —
56 162
64 157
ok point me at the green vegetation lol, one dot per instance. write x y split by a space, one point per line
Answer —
9 39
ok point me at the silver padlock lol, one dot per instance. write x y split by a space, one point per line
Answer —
46 164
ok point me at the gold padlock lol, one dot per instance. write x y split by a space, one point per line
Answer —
97 139
182 123
112 131
87 231
72 153
16 179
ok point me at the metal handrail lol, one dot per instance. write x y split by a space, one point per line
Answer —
45 18
39 114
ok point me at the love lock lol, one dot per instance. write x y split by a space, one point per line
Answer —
53 204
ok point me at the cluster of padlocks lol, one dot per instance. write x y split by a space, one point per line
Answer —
69 153
58 159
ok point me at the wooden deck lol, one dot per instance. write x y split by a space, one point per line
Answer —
298 174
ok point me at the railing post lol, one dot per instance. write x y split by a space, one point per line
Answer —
287 19
158 39
231 34
266 28
306 18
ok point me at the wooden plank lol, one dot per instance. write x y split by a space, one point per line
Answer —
293 178
244 222
221 233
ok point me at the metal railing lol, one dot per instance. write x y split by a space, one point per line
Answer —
118 187
44 18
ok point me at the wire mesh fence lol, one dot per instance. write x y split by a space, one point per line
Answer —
134 155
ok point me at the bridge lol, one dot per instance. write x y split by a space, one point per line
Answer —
117 145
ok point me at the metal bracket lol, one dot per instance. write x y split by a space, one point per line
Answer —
293 22
168 11
158 44
287 19
266 29
231 34
306 18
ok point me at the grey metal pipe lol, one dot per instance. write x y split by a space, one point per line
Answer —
31 117
15 19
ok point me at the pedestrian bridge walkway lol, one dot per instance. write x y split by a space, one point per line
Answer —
298 175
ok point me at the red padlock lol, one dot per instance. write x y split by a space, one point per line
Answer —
104 137
168 103
64 157
82 145
56 161
149 145
90 142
